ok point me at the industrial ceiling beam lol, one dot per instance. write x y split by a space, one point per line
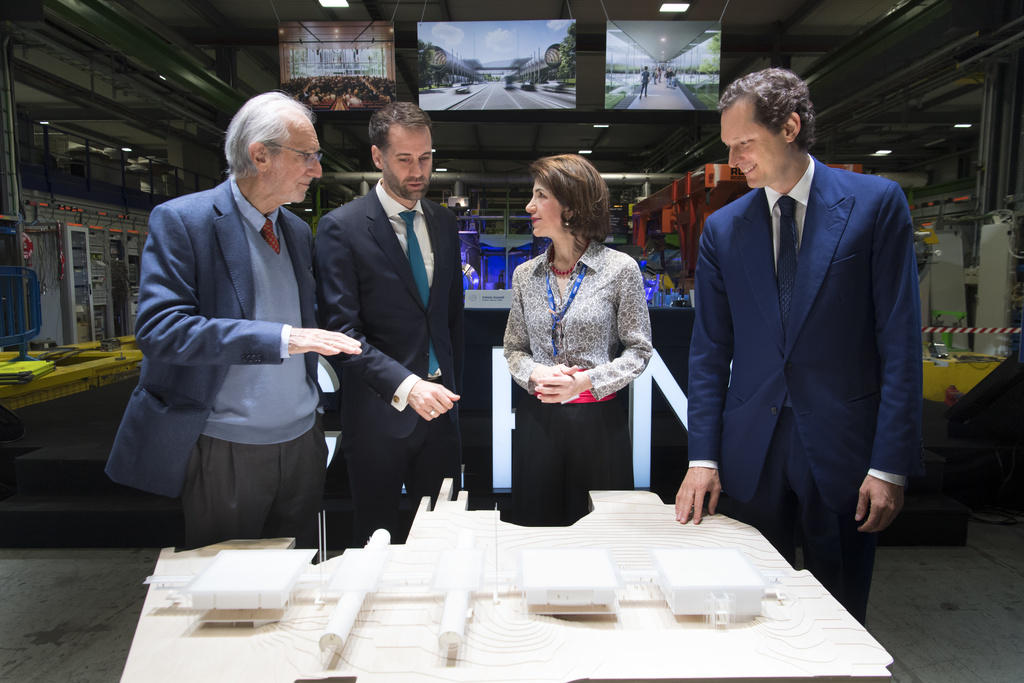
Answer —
186 109
86 98
170 35
449 177
899 27
104 21
210 13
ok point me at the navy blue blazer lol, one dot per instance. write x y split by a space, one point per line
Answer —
194 321
365 289
850 357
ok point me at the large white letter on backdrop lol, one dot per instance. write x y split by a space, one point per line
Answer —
503 420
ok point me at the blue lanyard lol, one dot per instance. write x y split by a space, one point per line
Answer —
556 318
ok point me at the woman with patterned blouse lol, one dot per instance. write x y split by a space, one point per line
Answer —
577 333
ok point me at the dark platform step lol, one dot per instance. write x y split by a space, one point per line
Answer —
930 519
72 470
90 521
142 521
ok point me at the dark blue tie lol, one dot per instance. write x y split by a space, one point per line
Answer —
785 268
419 273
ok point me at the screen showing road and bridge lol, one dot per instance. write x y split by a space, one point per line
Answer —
497 65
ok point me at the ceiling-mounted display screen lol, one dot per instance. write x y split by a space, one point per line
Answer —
338 66
488 65
662 65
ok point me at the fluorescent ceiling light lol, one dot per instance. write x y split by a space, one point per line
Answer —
962 125
674 7
126 149
308 210
44 123
882 153
600 125
334 3
162 77
586 151
440 170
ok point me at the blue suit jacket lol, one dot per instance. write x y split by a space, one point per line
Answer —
194 321
850 357
366 290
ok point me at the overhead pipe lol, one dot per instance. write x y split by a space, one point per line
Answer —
110 25
452 177
994 50
138 82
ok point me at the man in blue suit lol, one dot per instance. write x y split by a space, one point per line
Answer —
225 411
389 273
805 363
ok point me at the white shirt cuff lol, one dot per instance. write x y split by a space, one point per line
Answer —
898 479
704 463
401 398
286 333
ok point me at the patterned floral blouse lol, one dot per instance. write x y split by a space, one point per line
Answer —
606 330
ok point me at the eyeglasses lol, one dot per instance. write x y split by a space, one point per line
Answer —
309 157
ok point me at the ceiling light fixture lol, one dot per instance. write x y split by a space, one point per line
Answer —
962 125
600 125
162 77
586 151
882 153
334 3
44 123
674 7
126 149
440 170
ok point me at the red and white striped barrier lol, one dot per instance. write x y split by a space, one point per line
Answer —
973 330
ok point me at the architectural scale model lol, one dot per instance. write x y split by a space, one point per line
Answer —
451 605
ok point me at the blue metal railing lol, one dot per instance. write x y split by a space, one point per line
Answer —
20 309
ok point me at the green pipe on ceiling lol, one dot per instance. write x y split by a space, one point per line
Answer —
138 42
899 27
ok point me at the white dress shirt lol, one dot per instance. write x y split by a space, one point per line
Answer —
394 209
801 193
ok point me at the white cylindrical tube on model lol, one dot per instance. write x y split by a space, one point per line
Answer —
456 605
364 572
453 619
340 625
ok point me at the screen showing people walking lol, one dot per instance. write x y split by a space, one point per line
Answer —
340 65
662 65
479 65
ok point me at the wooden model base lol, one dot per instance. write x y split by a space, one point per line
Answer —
803 632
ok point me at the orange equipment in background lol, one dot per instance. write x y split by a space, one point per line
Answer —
682 206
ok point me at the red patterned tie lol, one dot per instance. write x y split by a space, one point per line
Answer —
270 237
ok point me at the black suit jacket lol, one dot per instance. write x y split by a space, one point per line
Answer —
365 289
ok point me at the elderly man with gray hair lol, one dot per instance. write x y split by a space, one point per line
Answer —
225 413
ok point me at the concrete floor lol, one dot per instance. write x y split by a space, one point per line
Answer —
947 615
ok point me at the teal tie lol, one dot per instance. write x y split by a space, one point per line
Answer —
419 273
